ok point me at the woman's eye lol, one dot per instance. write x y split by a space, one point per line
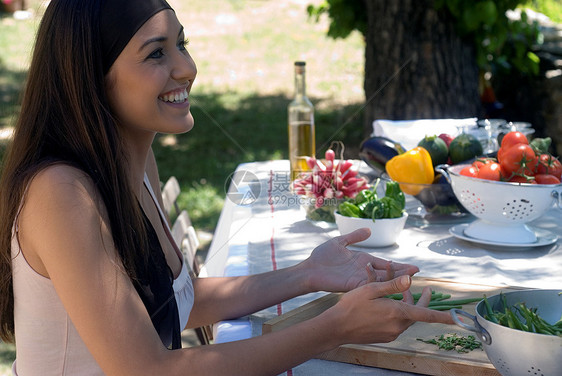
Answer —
156 54
182 44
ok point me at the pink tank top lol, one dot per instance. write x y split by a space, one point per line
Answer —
47 342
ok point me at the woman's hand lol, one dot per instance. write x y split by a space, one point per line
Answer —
333 267
365 316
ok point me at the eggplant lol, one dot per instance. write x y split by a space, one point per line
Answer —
439 197
376 151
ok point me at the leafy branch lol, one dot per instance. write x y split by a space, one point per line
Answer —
501 45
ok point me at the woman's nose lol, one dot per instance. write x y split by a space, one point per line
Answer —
184 67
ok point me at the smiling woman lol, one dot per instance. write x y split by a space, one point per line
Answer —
102 283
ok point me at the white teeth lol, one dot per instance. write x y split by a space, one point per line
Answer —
175 98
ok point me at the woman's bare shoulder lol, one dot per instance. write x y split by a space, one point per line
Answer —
64 194
61 212
61 183
61 174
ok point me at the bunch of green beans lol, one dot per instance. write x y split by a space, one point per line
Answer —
439 301
521 317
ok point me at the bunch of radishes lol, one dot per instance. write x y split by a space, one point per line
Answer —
329 179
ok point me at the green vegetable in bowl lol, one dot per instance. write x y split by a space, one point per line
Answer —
367 204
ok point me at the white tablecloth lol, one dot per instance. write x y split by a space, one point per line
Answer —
262 228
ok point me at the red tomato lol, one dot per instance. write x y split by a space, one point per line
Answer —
499 155
519 159
549 165
523 179
481 162
490 171
514 138
470 171
546 179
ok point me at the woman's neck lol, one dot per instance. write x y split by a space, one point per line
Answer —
138 150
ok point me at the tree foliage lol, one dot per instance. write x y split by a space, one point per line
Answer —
346 16
501 44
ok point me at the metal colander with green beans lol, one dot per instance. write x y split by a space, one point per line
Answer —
519 330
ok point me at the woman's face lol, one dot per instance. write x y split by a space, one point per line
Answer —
149 83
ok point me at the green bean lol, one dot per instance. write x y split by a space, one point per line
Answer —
438 301
416 296
455 301
514 322
444 307
489 311
397 296
444 297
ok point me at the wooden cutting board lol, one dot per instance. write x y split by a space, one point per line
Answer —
406 353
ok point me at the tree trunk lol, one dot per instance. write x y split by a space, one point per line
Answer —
416 66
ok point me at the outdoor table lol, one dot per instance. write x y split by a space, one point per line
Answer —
262 228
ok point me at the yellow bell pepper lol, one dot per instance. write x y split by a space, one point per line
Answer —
414 167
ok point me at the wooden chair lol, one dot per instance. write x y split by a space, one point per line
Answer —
170 193
186 239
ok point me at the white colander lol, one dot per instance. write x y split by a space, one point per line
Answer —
503 209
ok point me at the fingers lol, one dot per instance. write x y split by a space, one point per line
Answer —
408 297
389 271
396 285
425 298
355 236
397 268
371 273
409 311
417 313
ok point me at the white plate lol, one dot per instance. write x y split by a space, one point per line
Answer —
544 237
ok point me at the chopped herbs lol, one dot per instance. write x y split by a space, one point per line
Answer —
454 342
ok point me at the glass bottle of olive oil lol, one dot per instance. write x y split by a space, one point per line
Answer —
302 142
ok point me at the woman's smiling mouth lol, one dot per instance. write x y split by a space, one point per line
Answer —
175 97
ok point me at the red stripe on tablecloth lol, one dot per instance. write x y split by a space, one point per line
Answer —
272 243
272 238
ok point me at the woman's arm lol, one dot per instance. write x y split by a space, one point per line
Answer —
359 317
221 298
331 267
64 230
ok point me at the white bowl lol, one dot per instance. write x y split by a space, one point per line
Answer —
384 232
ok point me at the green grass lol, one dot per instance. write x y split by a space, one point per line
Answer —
7 356
14 59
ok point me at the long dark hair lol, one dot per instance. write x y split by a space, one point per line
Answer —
65 118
